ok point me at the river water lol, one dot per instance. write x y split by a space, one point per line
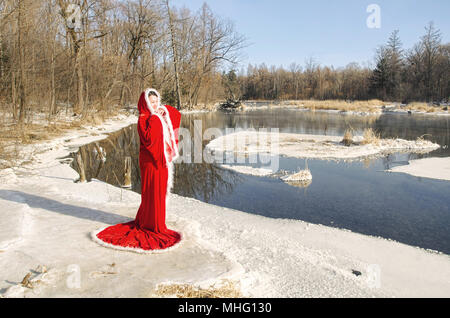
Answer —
359 196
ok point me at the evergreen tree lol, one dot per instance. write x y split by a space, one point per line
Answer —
395 65
381 76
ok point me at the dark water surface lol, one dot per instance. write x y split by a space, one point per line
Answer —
360 196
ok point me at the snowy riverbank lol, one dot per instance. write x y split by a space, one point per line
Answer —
436 168
46 219
361 108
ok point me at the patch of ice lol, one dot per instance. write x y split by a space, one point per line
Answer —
436 168
249 170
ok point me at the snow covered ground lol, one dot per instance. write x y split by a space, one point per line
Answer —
46 220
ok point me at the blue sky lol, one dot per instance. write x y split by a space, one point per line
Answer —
333 32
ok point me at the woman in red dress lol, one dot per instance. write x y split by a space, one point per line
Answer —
158 133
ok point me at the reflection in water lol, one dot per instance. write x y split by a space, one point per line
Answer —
204 181
109 164
299 184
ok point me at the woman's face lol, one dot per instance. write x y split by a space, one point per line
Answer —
153 102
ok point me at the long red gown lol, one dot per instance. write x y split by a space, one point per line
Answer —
148 232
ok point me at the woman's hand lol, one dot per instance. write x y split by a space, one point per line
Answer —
161 111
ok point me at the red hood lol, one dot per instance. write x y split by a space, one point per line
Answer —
142 105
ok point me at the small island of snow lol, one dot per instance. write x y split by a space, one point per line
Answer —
313 146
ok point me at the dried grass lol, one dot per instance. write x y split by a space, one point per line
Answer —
291 140
369 106
421 139
370 137
228 289
7 157
422 107
348 137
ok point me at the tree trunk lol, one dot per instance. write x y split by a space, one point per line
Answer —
21 48
80 85
2 68
175 56
14 94
127 173
52 82
77 58
80 163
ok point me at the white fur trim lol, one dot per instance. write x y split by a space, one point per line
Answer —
168 132
172 133
148 90
135 249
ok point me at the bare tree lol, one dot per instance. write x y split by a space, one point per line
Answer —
140 28
21 35
219 42
431 42
79 39
174 52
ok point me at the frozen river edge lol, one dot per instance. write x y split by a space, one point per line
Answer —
47 218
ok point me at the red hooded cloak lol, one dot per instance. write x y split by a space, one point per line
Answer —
158 148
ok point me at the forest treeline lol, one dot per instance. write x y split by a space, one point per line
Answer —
421 73
94 54
90 55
